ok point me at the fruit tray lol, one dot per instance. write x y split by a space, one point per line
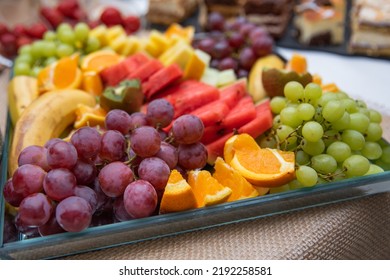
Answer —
116 234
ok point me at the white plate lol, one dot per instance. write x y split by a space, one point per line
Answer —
362 78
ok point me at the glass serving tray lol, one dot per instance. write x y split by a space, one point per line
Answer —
175 223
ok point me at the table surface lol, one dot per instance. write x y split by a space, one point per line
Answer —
356 229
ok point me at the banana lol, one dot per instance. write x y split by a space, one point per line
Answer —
46 118
22 91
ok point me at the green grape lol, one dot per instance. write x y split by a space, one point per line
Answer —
313 148
293 91
302 158
50 49
289 116
37 49
356 165
280 189
267 141
64 50
276 122
22 68
383 143
49 36
306 111
342 123
26 49
50 60
375 116
349 105
374 132
359 122
25 57
371 150
374 169
340 151
81 31
384 165
333 110
364 111
341 95
386 154
67 37
312 92
285 132
325 98
337 175
295 184
324 163
318 115
63 26
331 136
354 139
361 104
35 71
93 44
306 176
312 131
277 104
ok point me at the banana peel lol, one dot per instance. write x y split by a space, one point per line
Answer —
22 91
46 118
255 84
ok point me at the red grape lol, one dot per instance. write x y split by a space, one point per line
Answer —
258 32
52 15
67 7
262 46
85 172
59 184
111 16
35 155
215 21
10 232
88 194
118 120
140 199
168 153
247 58
35 210
104 202
155 171
228 63
10 195
9 44
51 142
74 214
192 156
3 29
145 141
236 40
50 227
62 155
207 45
28 179
114 178
246 29
131 24
87 141
37 30
159 113
19 30
113 146
138 119
221 49
242 73
119 210
187 129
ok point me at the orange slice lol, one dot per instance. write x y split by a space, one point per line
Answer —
231 178
178 194
261 167
92 83
89 116
297 63
208 191
100 60
176 30
62 74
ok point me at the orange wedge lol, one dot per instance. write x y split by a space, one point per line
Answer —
62 74
178 194
100 60
176 30
92 83
208 191
261 167
89 116
231 178
297 63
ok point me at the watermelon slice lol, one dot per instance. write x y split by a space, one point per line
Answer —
146 70
113 75
162 79
231 94
255 128
212 113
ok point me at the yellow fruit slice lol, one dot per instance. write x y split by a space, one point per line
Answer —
92 83
261 167
100 60
208 191
229 177
89 116
178 195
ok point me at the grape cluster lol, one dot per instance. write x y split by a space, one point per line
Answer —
235 44
333 136
63 42
120 170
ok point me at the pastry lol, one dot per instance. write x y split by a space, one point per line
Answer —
169 11
320 22
228 8
370 26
